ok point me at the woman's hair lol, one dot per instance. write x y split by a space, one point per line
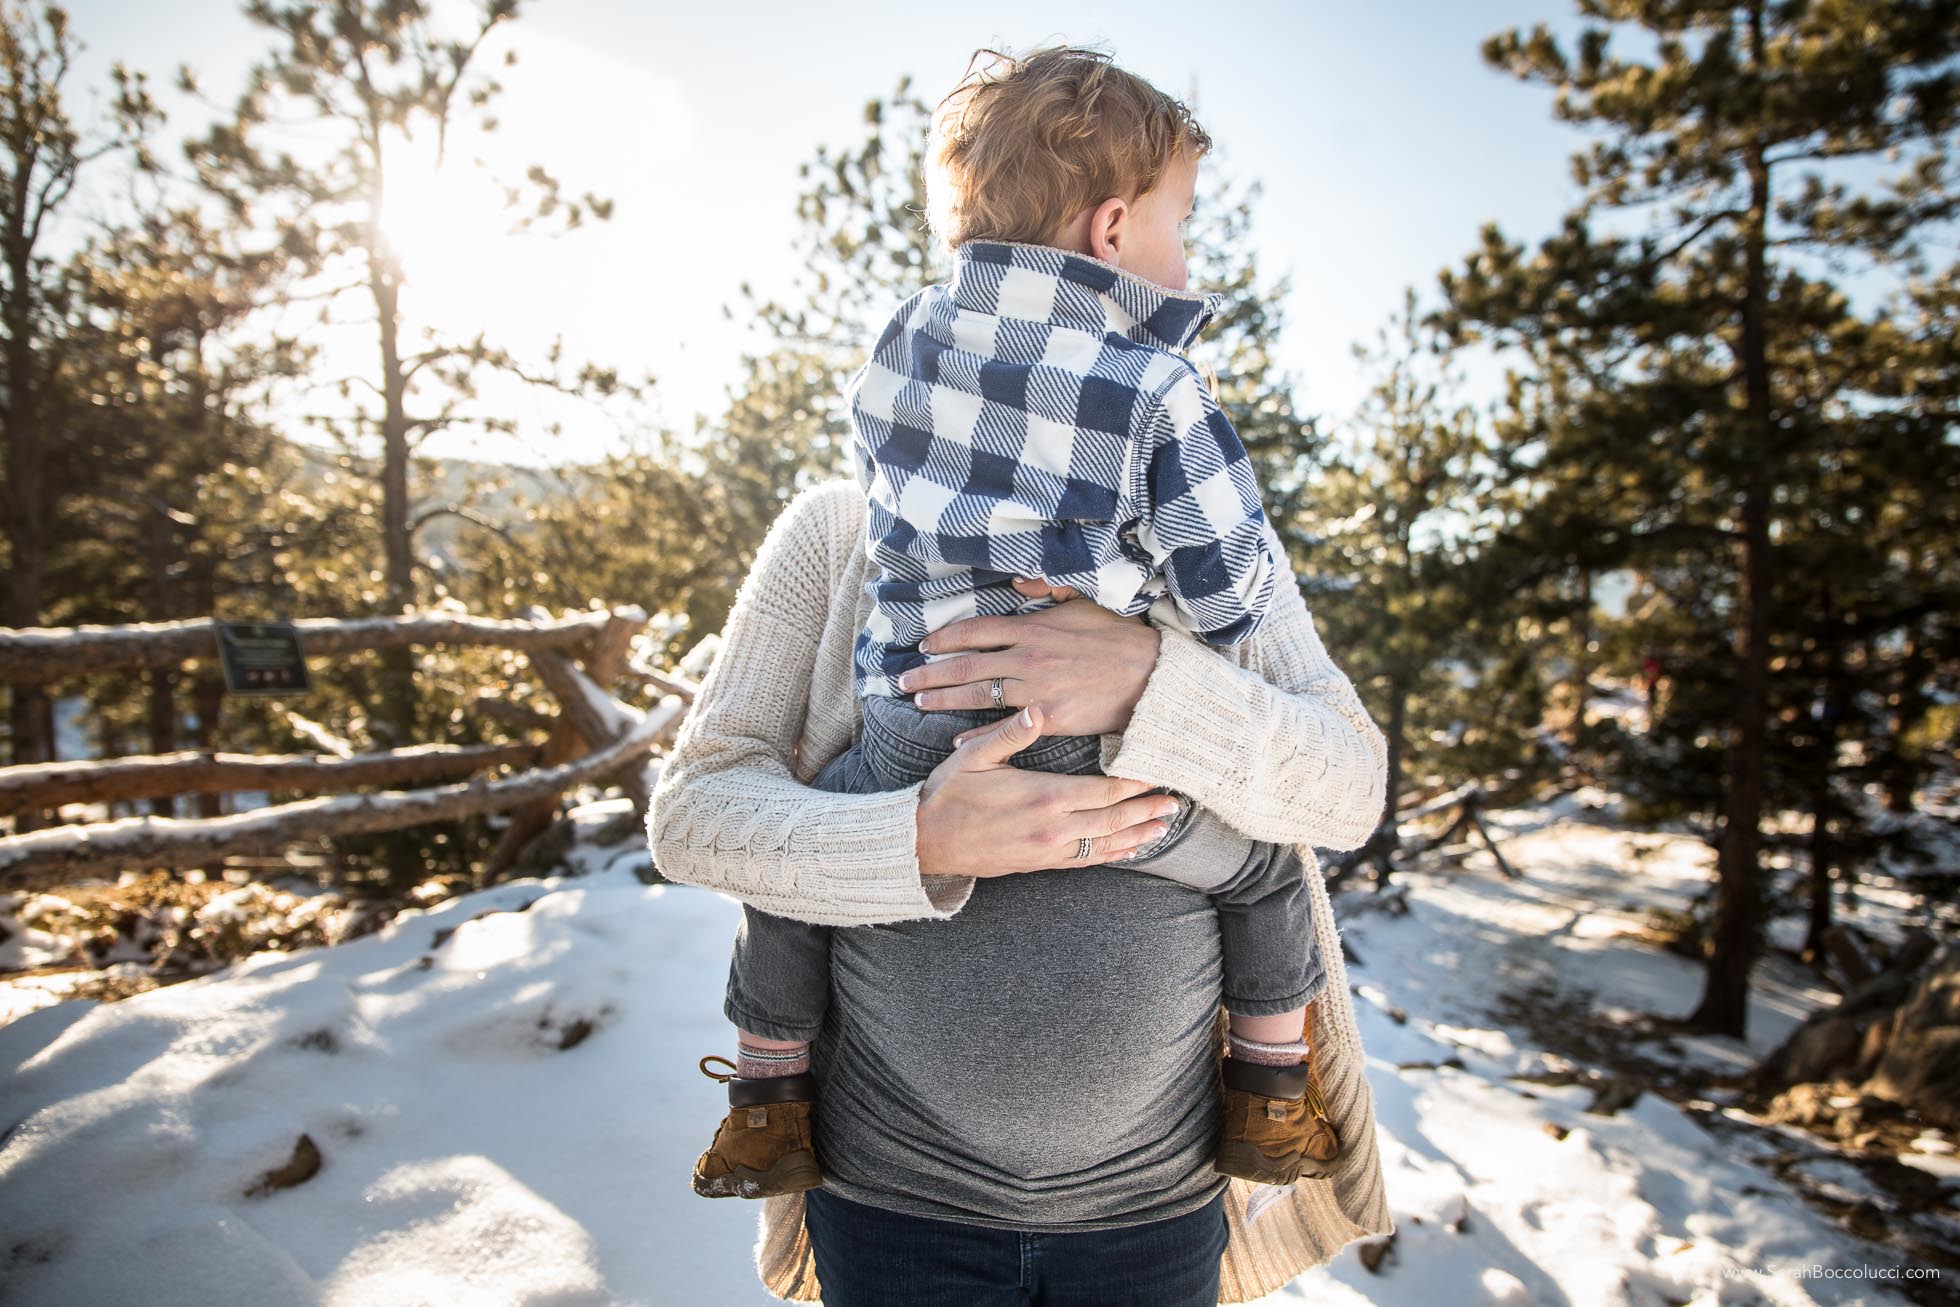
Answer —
1024 143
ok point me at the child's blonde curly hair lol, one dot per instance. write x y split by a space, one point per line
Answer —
1025 143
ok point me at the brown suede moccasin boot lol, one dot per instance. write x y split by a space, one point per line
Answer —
763 1146
1276 1129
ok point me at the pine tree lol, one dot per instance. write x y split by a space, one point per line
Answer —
862 248
1237 348
171 352
365 79
1391 565
1730 144
42 155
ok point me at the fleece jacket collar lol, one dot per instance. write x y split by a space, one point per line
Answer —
1066 289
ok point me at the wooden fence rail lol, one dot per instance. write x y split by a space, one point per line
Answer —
593 737
32 655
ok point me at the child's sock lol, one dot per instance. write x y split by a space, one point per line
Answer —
760 1062
1248 1050
1276 1040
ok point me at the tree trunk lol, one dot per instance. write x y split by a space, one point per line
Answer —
30 711
208 692
394 723
1580 683
1823 851
397 716
1724 1006
162 680
1398 718
1901 770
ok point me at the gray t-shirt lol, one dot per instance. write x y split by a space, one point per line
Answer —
1041 1060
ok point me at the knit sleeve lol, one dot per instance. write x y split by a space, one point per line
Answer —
728 813
1196 512
1281 749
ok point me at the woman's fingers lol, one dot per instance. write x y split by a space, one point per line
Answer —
1036 588
989 730
985 632
979 815
1123 824
1132 814
1137 822
963 681
997 743
1113 848
990 631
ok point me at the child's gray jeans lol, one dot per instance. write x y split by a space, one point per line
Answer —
779 977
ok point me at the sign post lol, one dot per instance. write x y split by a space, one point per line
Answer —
262 658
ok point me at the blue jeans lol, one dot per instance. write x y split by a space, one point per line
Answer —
779 975
869 1257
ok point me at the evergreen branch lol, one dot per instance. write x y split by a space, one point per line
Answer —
469 515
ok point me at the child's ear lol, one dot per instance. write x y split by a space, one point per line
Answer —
1108 228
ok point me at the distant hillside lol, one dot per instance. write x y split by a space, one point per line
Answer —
492 489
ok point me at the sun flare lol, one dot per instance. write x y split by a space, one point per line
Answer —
447 225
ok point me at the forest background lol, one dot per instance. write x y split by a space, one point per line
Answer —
1696 435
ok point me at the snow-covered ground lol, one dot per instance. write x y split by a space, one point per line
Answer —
503 1098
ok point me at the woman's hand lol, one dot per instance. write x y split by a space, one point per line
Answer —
980 816
1084 665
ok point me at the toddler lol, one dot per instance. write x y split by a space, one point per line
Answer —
1034 417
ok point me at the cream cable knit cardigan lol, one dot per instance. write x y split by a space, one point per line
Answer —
1269 734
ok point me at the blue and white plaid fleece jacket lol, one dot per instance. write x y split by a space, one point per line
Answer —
1034 416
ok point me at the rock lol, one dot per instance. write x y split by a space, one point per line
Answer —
1920 1065
302 1166
1609 1096
1896 1037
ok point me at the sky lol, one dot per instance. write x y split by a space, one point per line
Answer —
1382 141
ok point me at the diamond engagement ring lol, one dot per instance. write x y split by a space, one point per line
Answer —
1000 695
1084 847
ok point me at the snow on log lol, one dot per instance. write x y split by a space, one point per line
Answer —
109 847
34 786
29 655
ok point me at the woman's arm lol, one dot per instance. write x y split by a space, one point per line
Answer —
1281 749
728 813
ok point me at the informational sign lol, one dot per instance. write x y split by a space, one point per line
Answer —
262 658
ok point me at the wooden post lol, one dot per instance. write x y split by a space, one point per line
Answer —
578 723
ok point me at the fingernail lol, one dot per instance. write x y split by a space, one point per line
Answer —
905 681
958 740
1168 810
1027 715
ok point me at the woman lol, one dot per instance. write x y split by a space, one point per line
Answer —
1268 737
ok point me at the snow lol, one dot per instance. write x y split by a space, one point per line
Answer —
73 732
509 1115
22 943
